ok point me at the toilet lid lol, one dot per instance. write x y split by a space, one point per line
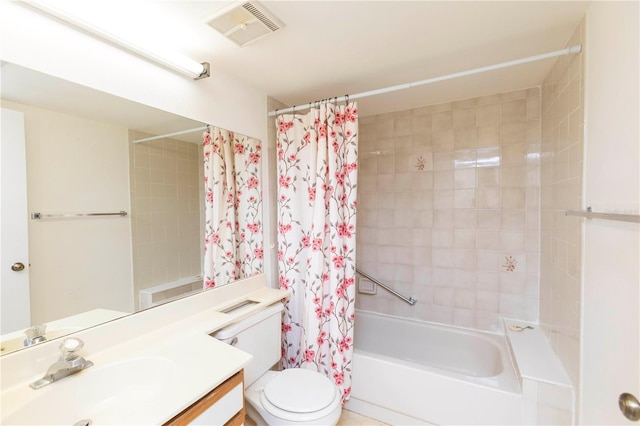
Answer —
298 390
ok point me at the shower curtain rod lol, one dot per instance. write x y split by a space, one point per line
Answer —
568 51
182 132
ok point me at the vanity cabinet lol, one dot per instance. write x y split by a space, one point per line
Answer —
224 405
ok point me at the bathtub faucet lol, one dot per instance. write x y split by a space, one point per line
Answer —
69 363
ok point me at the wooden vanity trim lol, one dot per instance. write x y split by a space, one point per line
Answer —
194 410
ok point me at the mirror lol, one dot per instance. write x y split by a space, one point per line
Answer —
80 159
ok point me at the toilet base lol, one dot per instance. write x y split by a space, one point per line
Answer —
254 415
262 417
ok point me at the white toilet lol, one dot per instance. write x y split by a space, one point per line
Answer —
294 396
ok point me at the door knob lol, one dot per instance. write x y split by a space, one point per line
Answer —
17 267
629 406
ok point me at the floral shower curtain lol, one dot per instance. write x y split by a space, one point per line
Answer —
233 207
317 161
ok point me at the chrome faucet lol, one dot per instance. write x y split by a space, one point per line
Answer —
35 335
69 363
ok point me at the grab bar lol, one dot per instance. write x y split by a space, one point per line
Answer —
589 214
37 215
410 300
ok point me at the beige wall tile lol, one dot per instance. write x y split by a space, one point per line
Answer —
488 115
488 135
513 132
442 140
464 118
489 219
513 154
488 198
513 176
488 177
464 198
562 124
465 178
403 126
513 198
465 137
442 121
457 218
513 111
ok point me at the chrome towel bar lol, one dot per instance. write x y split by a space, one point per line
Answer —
37 215
410 300
589 214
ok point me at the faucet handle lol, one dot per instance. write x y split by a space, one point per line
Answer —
36 331
69 348
35 334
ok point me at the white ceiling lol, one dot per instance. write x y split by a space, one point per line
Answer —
333 48
327 49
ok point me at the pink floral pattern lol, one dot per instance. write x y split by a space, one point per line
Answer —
317 174
510 264
233 247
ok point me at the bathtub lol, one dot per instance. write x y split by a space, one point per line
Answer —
410 372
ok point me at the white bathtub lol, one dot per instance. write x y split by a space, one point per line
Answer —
410 372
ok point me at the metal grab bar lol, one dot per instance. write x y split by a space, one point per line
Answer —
70 215
410 300
609 216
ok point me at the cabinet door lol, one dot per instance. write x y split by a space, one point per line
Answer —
224 405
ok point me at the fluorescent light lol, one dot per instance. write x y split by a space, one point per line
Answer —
176 62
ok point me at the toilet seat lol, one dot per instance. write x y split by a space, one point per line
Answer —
300 395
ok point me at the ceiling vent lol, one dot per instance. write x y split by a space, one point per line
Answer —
244 22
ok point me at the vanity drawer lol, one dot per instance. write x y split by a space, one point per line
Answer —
224 405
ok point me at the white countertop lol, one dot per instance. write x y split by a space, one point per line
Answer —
201 362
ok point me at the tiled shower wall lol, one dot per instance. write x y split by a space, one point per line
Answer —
271 212
166 210
561 189
448 209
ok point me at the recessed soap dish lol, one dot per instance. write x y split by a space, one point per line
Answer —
239 306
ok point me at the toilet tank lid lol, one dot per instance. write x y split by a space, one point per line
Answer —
239 326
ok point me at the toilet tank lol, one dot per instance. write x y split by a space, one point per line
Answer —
259 335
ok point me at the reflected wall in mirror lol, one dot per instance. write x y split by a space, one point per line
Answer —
80 158
166 218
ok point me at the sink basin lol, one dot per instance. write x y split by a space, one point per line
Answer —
107 394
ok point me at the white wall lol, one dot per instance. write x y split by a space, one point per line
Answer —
610 318
75 165
31 40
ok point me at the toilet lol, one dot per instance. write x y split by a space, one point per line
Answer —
295 396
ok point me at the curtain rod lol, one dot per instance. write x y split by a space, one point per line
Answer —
567 51
152 138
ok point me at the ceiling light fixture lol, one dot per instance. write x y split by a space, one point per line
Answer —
175 62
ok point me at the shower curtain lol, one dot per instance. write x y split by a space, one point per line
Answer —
233 207
317 162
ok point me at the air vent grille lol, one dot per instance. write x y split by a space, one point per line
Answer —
244 22
252 9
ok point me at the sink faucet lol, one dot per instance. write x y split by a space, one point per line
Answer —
35 335
69 363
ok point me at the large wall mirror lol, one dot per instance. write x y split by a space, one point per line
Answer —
81 155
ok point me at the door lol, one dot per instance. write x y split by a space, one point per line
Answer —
611 263
15 313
